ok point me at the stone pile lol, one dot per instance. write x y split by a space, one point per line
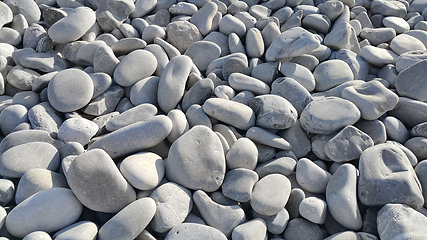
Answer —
213 119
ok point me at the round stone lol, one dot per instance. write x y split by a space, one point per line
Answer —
332 73
130 70
65 86
194 231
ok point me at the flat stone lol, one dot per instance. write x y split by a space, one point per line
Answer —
37 235
203 53
12 116
135 137
78 130
395 129
145 91
397 221
203 19
172 82
84 230
26 136
332 73
253 229
15 161
341 197
378 35
319 22
130 116
300 228
389 167
328 115
230 112
222 217
389 8
267 201
235 65
219 62
410 58
45 62
243 153
416 146
25 217
291 43
293 91
124 77
7 15
198 93
242 82
409 82
238 184
293 21
357 64
29 9
194 231
410 112
266 72
65 85
229 24
188 165
22 78
77 23
130 221
397 23
313 209
262 136
36 180
405 43
281 165
98 184
378 56
311 177
299 73
149 163
196 116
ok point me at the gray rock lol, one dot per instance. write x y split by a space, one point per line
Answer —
328 115
394 171
291 43
276 224
332 73
299 73
26 218
87 178
253 229
41 235
84 230
21 78
406 82
378 35
350 235
194 231
111 14
145 91
408 59
242 82
299 228
27 136
242 154
270 194
133 115
396 130
36 180
378 56
135 137
397 23
129 70
262 136
11 117
106 102
26 98
43 117
219 63
416 145
130 221
296 137
398 221
293 21
17 160
342 36
196 116
230 112
219 39
203 53
203 19
78 130
229 24
221 217
179 124
266 72
410 112
311 177
319 22
238 184
405 43
375 129
29 9
388 8
190 157
7 191
7 15
45 62
420 170
313 209
198 93
281 165
235 65
293 91
105 61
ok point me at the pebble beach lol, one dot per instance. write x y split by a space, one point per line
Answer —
213 119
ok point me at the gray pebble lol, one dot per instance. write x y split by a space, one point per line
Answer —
301 74
203 53
300 228
230 23
78 130
124 77
378 35
145 91
133 115
238 184
149 163
266 72
179 124
85 230
105 61
292 206
332 73
281 165
267 201
396 130
375 129
242 154
234 65
21 78
313 209
233 113
196 116
194 231
203 18
260 135
7 191
311 177
251 230
106 102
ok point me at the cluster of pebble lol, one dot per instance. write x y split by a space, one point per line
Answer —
213 119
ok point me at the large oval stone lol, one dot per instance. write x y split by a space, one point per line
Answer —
137 65
98 184
49 210
194 231
196 160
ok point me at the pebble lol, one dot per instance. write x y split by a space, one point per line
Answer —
203 18
21 78
203 53
374 184
86 178
243 153
397 23
238 184
378 56
124 76
300 228
229 24
420 170
25 217
7 191
133 115
253 229
331 73
188 165
276 224
406 82
406 109
313 209
194 231
78 130
37 235
221 217
262 136
405 43
82 230
11 117
395 129
328 115
299 73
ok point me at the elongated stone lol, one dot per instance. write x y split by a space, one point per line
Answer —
234 113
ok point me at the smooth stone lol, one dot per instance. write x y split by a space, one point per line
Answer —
188 166
377 36
253 229
266 72
420 170
78 130
395 129
242 82
230 112
196 116
36 180
408 59
229 24
341 197
260 135
235 65
183 8
63 87
112 14
77 23
372 99
224 91
37 235
194 231
313 209
27 98
293 91
228 132
300 228
203 53
71 148
254 43
293 21
342 36
357 64
299 73
130 221
417 146
172 82
219 62
319 22
291 43
27 136
398 221
7 15
145 91
405 43
135 137
270 194
179 124
101 82
219 39
332 73
349 235
276 224
15 161
43 117
222 217
281 165
408 83
84 230
243 153
248 20
378 56
389 8
198 93
203 19
408 152
386 166
244 97
235 44
152 31
98 184
105 61
29 9
296 137
25 217
12 116
311 177
409 111
161 56
238 184
45 62
21 78
125 46
124 77
106 102
133 115
397 23
328 115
